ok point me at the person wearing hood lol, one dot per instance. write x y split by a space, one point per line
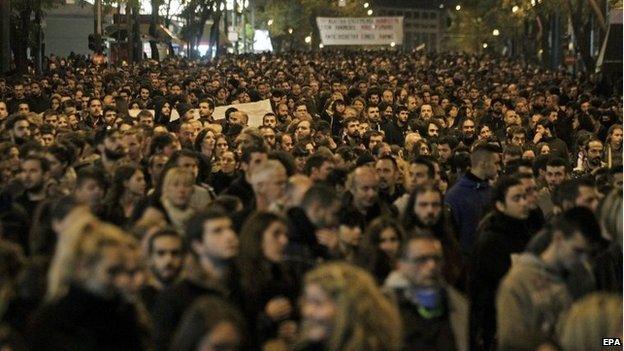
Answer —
504 231
434 314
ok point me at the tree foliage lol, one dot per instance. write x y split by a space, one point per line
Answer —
300 16
529 22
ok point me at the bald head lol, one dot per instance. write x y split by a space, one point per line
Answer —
363 184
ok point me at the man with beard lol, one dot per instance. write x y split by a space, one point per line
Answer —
351 132
396 129
389 187
444 148
38 102
93 117
109 144
206 109
19 97
213 245
533 294
468 134
591 157
311 225
503 232
35 173
544 133
17 222
434 314
577 192
426 112
19 129
165 256
373 117
425 212
318 166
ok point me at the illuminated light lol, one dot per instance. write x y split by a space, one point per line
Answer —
458 7
533 3
441 6
495 32
290 30
308 39
515 9
369 12
270 22
366 5
485 45
393 44
321 46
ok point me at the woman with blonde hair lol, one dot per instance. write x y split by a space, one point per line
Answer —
171 199
589 321
344 310
86 309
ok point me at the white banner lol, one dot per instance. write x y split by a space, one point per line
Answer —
360 30
255 111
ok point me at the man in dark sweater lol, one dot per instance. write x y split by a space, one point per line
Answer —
503 232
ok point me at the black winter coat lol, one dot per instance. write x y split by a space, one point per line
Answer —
83 321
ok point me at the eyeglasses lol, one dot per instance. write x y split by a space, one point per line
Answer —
420 260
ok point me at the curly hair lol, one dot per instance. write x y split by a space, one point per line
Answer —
365 318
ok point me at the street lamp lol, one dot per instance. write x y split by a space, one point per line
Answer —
369 12
270 22
366 5
458 7
515 9
495 32
485 45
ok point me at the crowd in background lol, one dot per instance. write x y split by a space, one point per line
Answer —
391 201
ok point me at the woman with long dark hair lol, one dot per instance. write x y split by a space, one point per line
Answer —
205 143
269 287
210 324
127 190
380 248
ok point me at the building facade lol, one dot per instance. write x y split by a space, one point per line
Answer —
424 22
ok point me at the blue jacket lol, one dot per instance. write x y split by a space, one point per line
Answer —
469 200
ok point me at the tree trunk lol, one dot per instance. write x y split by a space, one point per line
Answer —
22 38
129 31
38 54
582 33
152 30
215 32
136 32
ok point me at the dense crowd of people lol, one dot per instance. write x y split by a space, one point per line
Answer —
391 201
